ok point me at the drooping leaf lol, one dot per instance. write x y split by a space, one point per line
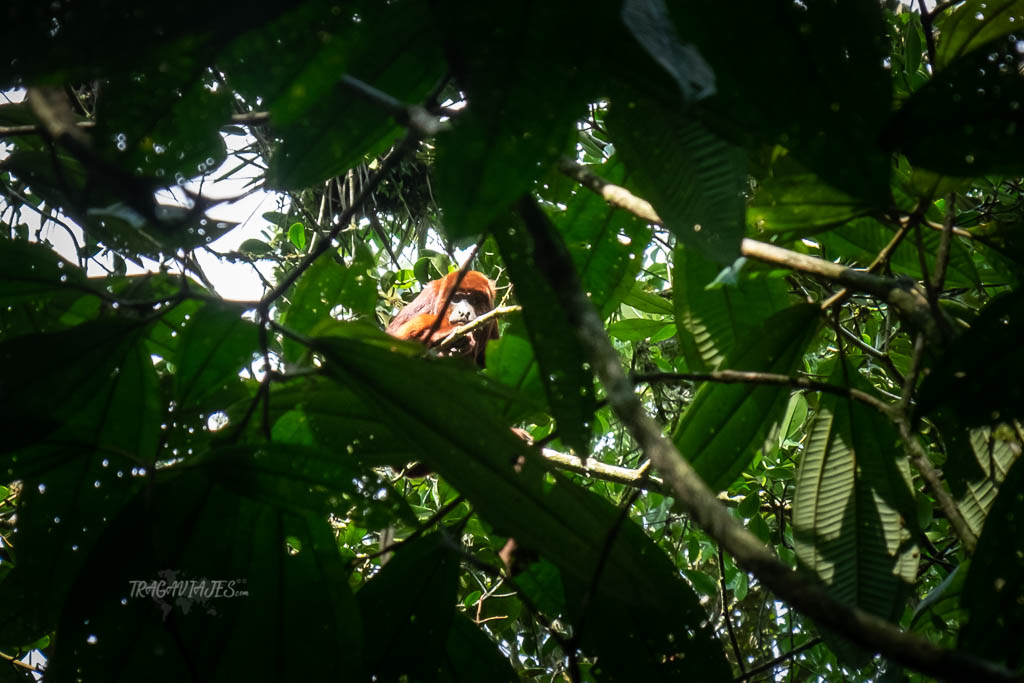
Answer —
457 433
824 94
801 203
971 25
853 510
568 383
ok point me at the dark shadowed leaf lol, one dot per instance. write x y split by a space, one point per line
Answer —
277 573
992 589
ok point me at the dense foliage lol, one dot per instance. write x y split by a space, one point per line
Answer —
760 272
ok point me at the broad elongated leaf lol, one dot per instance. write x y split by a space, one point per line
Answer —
711 320
725 425
853 511
801 203
992 589
824 94
40 291
568 383
977 461
606 244
972 24
694 179
522 111
457 433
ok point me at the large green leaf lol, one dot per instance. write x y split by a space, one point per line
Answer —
606 244
459 434
40 291
977 461
274 581
724 427
853 510
694 179
713 318
992 589
972 24
801 203
522 107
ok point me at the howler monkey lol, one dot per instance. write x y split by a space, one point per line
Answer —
474 297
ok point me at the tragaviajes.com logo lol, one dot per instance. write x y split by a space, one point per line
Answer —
173 589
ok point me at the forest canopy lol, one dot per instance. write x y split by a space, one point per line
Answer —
748 408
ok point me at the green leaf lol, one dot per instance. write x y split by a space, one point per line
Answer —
971 25
568 382
408 608
712 319
638 329
472 656
824 94
216 345
326 285
726 424
862 239
280 572
854 514
522 113
606 244
297 236
981 389
40 291
973 104
162 123
326 127
802 203
694 179
459 434
992 589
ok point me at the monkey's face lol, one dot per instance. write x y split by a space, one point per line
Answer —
462 309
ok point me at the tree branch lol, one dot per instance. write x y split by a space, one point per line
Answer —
801 591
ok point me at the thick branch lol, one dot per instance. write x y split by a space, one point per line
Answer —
799 590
